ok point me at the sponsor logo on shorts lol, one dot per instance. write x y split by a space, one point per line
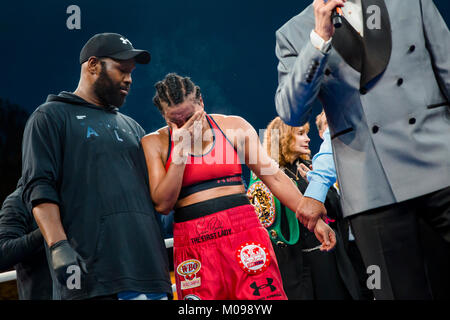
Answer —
188 270
257 289
192 297
253 257
263 289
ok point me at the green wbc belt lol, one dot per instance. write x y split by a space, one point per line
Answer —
270 211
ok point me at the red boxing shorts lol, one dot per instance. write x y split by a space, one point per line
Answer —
226 255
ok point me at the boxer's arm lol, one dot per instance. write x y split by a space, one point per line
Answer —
280 184
165 186
257 159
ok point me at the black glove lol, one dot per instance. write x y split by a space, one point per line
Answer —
63 256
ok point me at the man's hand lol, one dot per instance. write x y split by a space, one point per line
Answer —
325 235
322 12
309 211
63 256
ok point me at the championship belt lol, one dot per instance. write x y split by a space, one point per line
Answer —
269 210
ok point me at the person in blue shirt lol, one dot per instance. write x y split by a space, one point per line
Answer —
324 174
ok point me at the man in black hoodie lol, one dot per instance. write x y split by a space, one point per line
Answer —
85 179
22 247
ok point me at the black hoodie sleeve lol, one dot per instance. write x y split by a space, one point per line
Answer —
19 236
41 159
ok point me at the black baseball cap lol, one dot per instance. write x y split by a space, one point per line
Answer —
112 45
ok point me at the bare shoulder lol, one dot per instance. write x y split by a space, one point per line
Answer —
230 121
156 139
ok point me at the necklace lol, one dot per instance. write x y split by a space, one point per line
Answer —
295 174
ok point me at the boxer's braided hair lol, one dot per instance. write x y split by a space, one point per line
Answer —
173 90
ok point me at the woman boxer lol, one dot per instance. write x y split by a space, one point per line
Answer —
221 251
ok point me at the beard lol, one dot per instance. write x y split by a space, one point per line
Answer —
107 90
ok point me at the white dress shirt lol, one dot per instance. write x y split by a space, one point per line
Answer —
353 13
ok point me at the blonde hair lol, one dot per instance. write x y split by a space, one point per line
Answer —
278 140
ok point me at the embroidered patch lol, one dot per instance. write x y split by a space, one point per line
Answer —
253 257
263 202
189 269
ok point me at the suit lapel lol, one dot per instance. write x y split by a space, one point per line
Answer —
370 54
348 43
377 43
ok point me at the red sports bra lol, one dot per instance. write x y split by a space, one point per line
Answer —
217 168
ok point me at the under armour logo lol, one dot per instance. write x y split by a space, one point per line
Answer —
126 41
264 286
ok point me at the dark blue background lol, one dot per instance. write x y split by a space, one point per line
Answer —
226 47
